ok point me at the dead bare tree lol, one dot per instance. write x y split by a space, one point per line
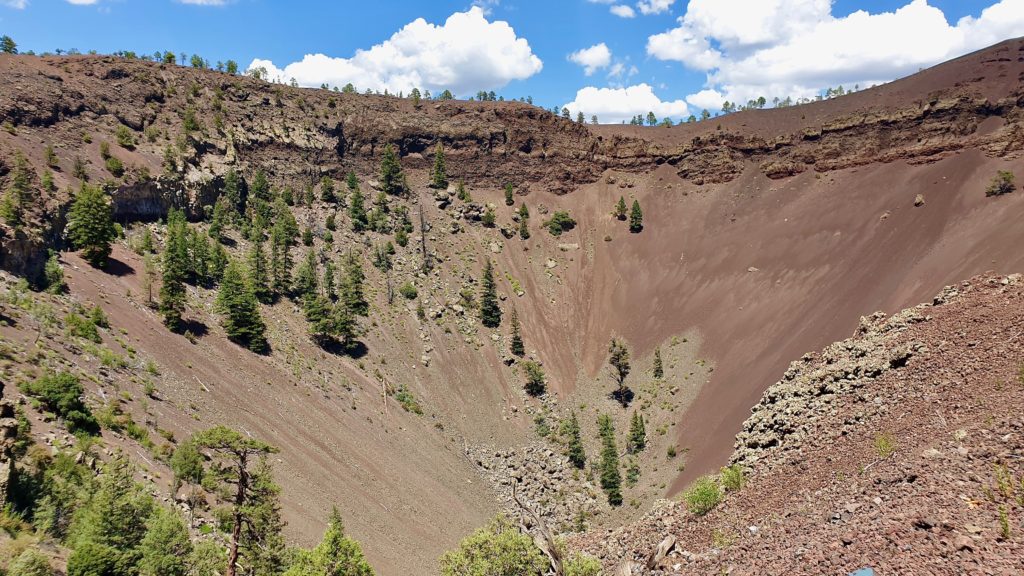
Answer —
543 538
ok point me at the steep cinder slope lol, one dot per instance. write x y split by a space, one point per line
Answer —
896 449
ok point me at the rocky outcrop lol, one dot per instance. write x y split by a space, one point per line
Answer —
542 479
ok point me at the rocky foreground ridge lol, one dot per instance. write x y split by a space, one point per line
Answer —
900 449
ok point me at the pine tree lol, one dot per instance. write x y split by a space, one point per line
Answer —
91 226
262 546
490 312
357 209
238 304
166 545
516 346
233 188
306 278
577 455
659 369
175 270
18 194
232 455
461 193
509 199
439 175
390 171
259 273
637 434
146 246
535 382
352 182
218 262
220 218
524 228
636 218
336 555
280 259
352 295
112 524
327 190
611 480
620 208
618 357
330 286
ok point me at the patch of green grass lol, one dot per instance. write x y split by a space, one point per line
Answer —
408 402
885 445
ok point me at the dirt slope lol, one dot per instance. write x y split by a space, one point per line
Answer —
766 234
897 449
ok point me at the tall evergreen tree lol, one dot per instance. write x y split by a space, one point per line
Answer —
18 194
353 296
490 312
238 304
636 218
327 190
175 270
620 208
577 455
280 260
234 192
439 175
611 479
259 273
659 368
231 471
306 278
110 527
637 434
516 345
91 225
357 209
330 284
166 545
262 546
390 171
509 198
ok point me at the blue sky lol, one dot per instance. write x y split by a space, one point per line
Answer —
671 56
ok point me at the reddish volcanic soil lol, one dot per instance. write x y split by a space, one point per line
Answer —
943 493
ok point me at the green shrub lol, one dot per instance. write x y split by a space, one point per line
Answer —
61 393
408 402
582 565
408 291
115 167
732 478
125 139
702 496
82 327
534 378
31 562
560 222
1001 184
498 549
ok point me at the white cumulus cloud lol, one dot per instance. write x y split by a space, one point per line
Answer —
613 105
592 59
798 47
466 54
654 6
622 11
